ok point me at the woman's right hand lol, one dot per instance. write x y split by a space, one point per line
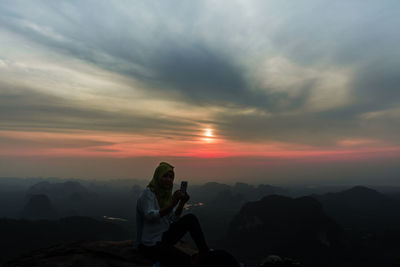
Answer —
176 197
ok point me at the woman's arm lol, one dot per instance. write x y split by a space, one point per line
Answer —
147 208
167 209
175 199
179 209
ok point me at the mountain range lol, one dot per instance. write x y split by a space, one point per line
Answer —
357 226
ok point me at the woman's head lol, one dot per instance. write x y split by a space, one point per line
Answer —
163 170
167 180
162 183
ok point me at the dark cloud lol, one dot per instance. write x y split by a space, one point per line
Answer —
321 129
201 75
307 129
377 83
11 142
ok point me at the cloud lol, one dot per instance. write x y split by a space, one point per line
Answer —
16 140
169 53
391 113
312 89
319 129
24 109
257 70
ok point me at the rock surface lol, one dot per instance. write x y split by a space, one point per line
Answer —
276 261
108 254
82 254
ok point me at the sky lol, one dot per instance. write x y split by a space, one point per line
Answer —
258 91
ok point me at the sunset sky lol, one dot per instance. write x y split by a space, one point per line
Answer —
257 91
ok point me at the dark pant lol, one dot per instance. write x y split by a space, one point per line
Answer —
166 253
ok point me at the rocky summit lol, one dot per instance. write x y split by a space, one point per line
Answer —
82 254
107 254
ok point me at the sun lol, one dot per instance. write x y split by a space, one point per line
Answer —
208 136
208 133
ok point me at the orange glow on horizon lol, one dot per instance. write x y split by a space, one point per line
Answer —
119 145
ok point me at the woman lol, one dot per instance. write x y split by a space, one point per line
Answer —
160 226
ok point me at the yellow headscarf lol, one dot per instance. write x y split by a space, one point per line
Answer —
164 196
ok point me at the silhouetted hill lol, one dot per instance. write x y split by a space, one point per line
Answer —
371 221
11 203
57 190
361 207
136 191
296 228
71 198
252 193
18 236
210 190
217 213
206 191
395 196
221 202
39 207
227 200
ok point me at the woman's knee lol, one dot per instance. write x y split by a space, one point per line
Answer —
190 219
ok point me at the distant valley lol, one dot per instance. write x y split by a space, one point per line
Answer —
354 225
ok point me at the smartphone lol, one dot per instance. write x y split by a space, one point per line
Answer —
184 186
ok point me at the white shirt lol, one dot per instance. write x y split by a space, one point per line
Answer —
153 224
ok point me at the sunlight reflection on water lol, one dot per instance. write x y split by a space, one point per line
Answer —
114 219
193 205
